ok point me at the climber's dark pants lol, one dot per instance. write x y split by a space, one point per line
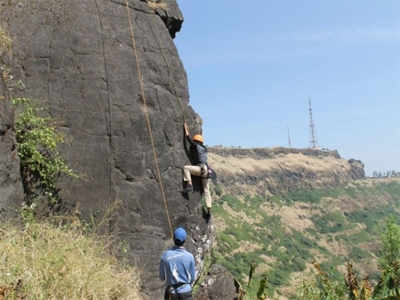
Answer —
183 296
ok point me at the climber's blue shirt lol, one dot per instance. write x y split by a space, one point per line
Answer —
177 266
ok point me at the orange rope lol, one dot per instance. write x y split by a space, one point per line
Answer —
146 113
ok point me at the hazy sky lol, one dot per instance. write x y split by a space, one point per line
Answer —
253 64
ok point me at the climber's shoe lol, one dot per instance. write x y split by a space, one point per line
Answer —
207 214
188 189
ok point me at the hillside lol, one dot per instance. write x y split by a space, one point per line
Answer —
283 209
268 171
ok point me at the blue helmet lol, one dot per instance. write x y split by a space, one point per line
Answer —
180 234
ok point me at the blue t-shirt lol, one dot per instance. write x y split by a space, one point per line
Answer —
177 266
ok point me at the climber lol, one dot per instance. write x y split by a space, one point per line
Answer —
177 267
200 168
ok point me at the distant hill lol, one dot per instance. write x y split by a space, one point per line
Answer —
281 209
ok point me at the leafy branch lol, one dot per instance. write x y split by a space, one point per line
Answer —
41 162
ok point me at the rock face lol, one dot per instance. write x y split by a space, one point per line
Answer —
76 57
218 285
11 190
280 170
170 13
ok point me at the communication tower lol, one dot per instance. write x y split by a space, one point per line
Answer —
313 138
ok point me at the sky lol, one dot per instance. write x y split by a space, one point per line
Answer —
253 65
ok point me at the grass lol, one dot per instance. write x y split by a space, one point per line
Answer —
371 216
227 242
43 261
234 203
290 250
331 223
392 188
350 285
357 254
330 266
357 191
356 238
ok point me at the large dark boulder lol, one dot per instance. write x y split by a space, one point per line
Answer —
76 58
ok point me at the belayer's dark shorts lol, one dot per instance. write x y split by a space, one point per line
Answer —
183 296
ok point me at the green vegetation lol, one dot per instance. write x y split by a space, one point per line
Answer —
310 196
356 191
41 162
389 284
234 202
218 190
325 286
255 233
43 261
356 238
290 250
357 254
331 223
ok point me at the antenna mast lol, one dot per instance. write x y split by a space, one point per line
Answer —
289 139
313 141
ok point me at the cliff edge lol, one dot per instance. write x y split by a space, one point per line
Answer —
269 171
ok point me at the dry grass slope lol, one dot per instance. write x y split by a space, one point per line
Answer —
292 161
42 261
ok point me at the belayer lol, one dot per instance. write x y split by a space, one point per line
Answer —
177 268
199 167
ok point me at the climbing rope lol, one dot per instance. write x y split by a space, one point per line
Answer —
146 113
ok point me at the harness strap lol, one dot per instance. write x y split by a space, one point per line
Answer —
175 287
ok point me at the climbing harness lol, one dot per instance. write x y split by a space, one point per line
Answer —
146 113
